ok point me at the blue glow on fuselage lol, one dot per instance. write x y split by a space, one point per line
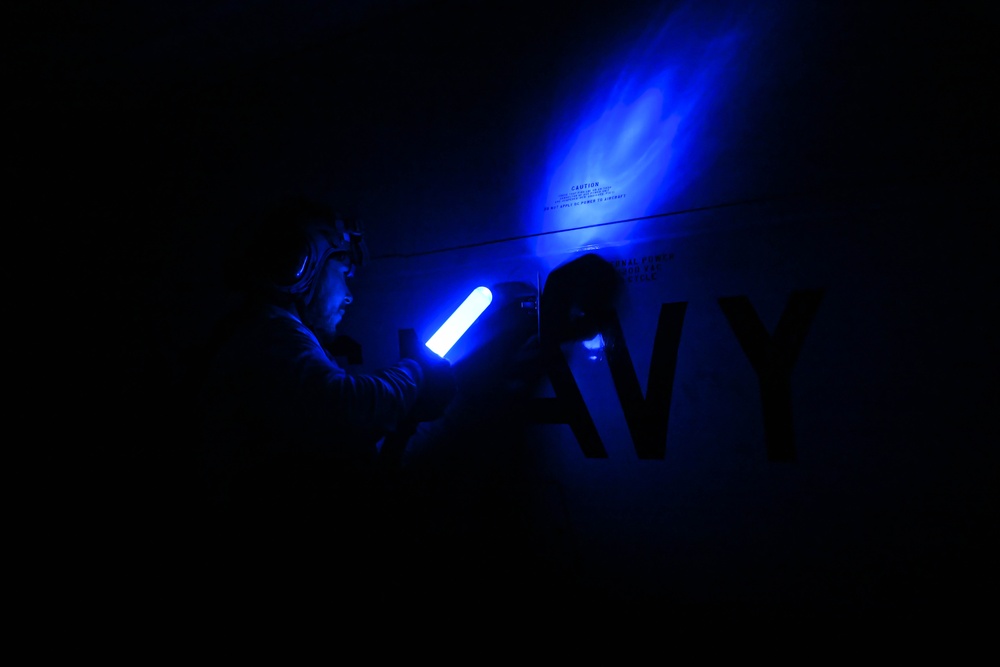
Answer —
643 136
595 347
595 343
460 321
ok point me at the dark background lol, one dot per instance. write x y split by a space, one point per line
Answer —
150 132
144 135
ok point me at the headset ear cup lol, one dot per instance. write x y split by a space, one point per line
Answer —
290 266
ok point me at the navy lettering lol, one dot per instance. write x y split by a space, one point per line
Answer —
773 358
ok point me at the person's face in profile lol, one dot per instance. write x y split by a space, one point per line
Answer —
326 308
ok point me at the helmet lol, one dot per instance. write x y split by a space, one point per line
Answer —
319 241
290 248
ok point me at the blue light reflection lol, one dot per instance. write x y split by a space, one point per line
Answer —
595 348
645 134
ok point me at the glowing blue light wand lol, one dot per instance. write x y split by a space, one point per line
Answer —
459 322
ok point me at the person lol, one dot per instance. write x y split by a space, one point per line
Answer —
290 437
301 454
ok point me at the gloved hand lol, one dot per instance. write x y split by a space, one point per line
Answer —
579 299
439 386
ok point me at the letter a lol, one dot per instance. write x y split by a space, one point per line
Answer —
568 407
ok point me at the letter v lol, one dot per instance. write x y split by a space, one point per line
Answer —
647 418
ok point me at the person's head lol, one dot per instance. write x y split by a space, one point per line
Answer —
322 306
301 255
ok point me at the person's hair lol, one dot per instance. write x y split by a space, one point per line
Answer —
271 248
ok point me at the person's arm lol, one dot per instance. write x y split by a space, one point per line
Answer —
364 404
